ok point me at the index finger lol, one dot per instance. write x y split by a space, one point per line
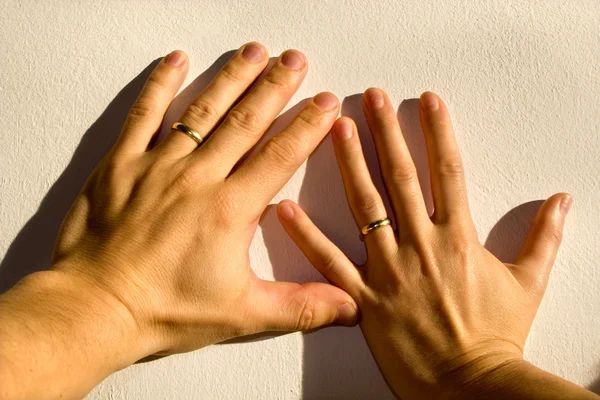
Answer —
146 114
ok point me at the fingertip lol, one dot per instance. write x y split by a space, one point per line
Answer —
176 58
254 52
344 128
558 204
294 59
326 101
285 210
566 202
374 98
347 314
429 101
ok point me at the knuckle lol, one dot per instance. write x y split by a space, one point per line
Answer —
368 206
311 120
243 118
275 81
329 263
451 168
141 110
112 168
402 174
157 81
306 313
110 184
201 110
282 149
231 73
185 180
461 245
554 235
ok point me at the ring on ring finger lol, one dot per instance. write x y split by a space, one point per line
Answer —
380 223
178 126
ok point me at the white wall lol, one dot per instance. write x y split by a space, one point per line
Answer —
522 81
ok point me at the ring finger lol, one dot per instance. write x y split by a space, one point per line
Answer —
364 199
209 107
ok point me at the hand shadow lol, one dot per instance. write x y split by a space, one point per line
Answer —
595 387
31 250
337 362
507 236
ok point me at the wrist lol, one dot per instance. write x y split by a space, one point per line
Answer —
484 378
57 323
106 311
483 369
513 378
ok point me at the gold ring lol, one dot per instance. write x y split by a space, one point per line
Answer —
188 131
365 230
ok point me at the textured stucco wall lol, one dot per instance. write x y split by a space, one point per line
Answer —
521 79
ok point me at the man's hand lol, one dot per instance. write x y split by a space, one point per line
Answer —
160 236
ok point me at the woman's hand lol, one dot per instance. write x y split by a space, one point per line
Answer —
439 311
153 256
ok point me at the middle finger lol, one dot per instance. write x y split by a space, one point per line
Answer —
250 118
397 167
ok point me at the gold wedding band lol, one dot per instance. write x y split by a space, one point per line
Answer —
365 230
188 131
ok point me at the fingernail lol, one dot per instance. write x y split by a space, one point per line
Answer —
429 101
375 98
253 53
293 59
343 129
346 315
286 211
565 204
325 101
175 58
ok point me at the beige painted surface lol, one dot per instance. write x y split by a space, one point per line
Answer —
521 78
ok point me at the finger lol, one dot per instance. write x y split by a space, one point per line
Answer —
146 114
249 119
327 258
397 166
536 258
364 199
448 186
286 306
276 162
208 109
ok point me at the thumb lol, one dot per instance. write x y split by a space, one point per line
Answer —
536 258
286 306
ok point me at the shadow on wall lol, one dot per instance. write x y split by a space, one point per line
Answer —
507 236
595 387
43 226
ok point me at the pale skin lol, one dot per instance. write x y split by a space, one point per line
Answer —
152 258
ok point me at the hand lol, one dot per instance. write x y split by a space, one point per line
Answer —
438 310
166 230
